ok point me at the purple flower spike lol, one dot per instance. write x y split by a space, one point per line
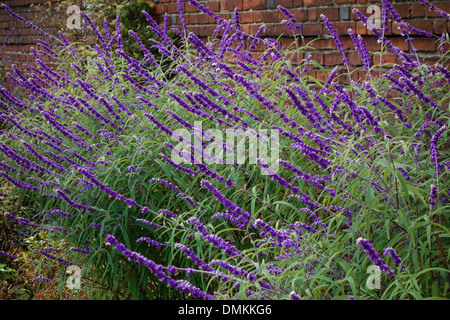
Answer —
40 278
294 296
433 195
335 36
373 255
393 254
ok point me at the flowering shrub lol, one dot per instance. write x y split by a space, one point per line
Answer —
130 16
362 177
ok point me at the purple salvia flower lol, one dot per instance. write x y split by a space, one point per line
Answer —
18 183
181 285
373 255
73 203
237 23
147 52
181 15
362 49
433 195
335 36
204 9
441 44
151 241
294 296
168 213
293 23
257 37
393 255
242 217
404 173
149 223
40 278
84 251
22 221
96 31
364 19
5 254
433 145
7 38
54 258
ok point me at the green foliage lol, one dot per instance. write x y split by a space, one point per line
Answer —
6 273
373 199
131 18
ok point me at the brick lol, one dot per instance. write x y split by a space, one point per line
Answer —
256 12
251 29
320 76
282 29
385 58
312 29
403 10
295 57
259 4
431 60
266 16
287 43
160 9
395 28
312 14
247 17
361 28
400 43
323 44
355 58
362 75
347 43
270 30
172 8
333 59
284 3
232 4
330 13
313 3
417 10
300 14
372 44
342 75
213 6
206 31
342 27
190 8
424 44
319 57
439 26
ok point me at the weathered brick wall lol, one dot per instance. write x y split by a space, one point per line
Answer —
253 13
42 13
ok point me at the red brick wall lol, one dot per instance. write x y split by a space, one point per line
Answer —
253 13
42 13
